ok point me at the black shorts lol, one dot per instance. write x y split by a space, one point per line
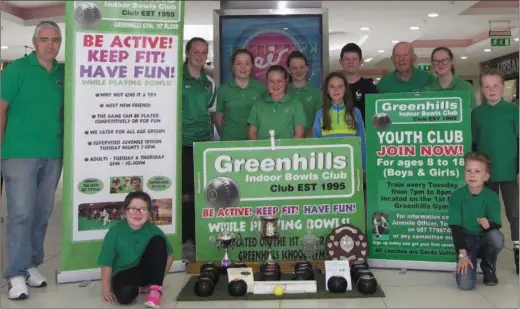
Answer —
188 183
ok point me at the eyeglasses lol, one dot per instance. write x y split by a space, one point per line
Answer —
442 61
133 210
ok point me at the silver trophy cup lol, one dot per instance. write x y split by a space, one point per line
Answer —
268 231
225 240
310 245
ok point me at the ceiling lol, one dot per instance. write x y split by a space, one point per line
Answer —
461 25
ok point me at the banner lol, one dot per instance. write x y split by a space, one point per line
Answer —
122 122
271 38
311 184
415 149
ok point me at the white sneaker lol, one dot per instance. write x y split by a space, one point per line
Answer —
17 288
35 279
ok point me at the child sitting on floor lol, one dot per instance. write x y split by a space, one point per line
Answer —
474 219
136 255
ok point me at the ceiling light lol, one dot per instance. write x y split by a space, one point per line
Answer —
433 15
487 50
364 28
414 28
395 41
516 39
369 59
463 57
285 28
381 51
5 47
282 4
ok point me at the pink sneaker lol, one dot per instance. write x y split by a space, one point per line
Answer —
154 297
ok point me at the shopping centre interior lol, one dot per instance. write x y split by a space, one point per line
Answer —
375 26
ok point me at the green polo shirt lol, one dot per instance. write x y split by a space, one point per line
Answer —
465 208
456 84
198 100
281 116
494 130
34 127
391 83
123 247
235 104
311 99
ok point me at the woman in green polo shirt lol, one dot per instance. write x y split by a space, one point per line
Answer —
236 98
198 103
301 90
277 111
444 67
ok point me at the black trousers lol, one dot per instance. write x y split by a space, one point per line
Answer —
188 187
509 190
149 271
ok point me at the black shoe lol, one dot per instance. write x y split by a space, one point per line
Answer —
515 250
490 278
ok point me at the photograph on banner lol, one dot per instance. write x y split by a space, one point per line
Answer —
415 149
271 38
125 76
126 184
309 185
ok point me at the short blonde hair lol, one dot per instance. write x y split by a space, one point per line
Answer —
478 157
490 72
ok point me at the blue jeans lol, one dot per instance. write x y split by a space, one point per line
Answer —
486 248
30 186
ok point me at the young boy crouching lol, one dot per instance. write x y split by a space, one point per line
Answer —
474 219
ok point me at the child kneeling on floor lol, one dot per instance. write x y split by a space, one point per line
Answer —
136 255
474 219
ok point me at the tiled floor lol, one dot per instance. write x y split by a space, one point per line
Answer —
415 289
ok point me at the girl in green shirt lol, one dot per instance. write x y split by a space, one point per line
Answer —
444 67
236 98
277 111
299 88
136 255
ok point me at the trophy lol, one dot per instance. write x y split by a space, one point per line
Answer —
268 231
309 245
225 240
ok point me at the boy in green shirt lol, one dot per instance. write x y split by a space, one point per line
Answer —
474 219
494 126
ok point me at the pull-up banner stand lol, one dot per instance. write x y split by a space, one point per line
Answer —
122 123
415 148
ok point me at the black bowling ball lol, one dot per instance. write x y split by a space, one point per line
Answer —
367 284
204 287
337 284
237 288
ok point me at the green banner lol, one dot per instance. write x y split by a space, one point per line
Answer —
415 149
313 185
122 121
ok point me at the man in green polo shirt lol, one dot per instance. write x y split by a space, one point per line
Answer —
32 152
405 78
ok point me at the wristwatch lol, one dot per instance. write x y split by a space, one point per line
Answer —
462 255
